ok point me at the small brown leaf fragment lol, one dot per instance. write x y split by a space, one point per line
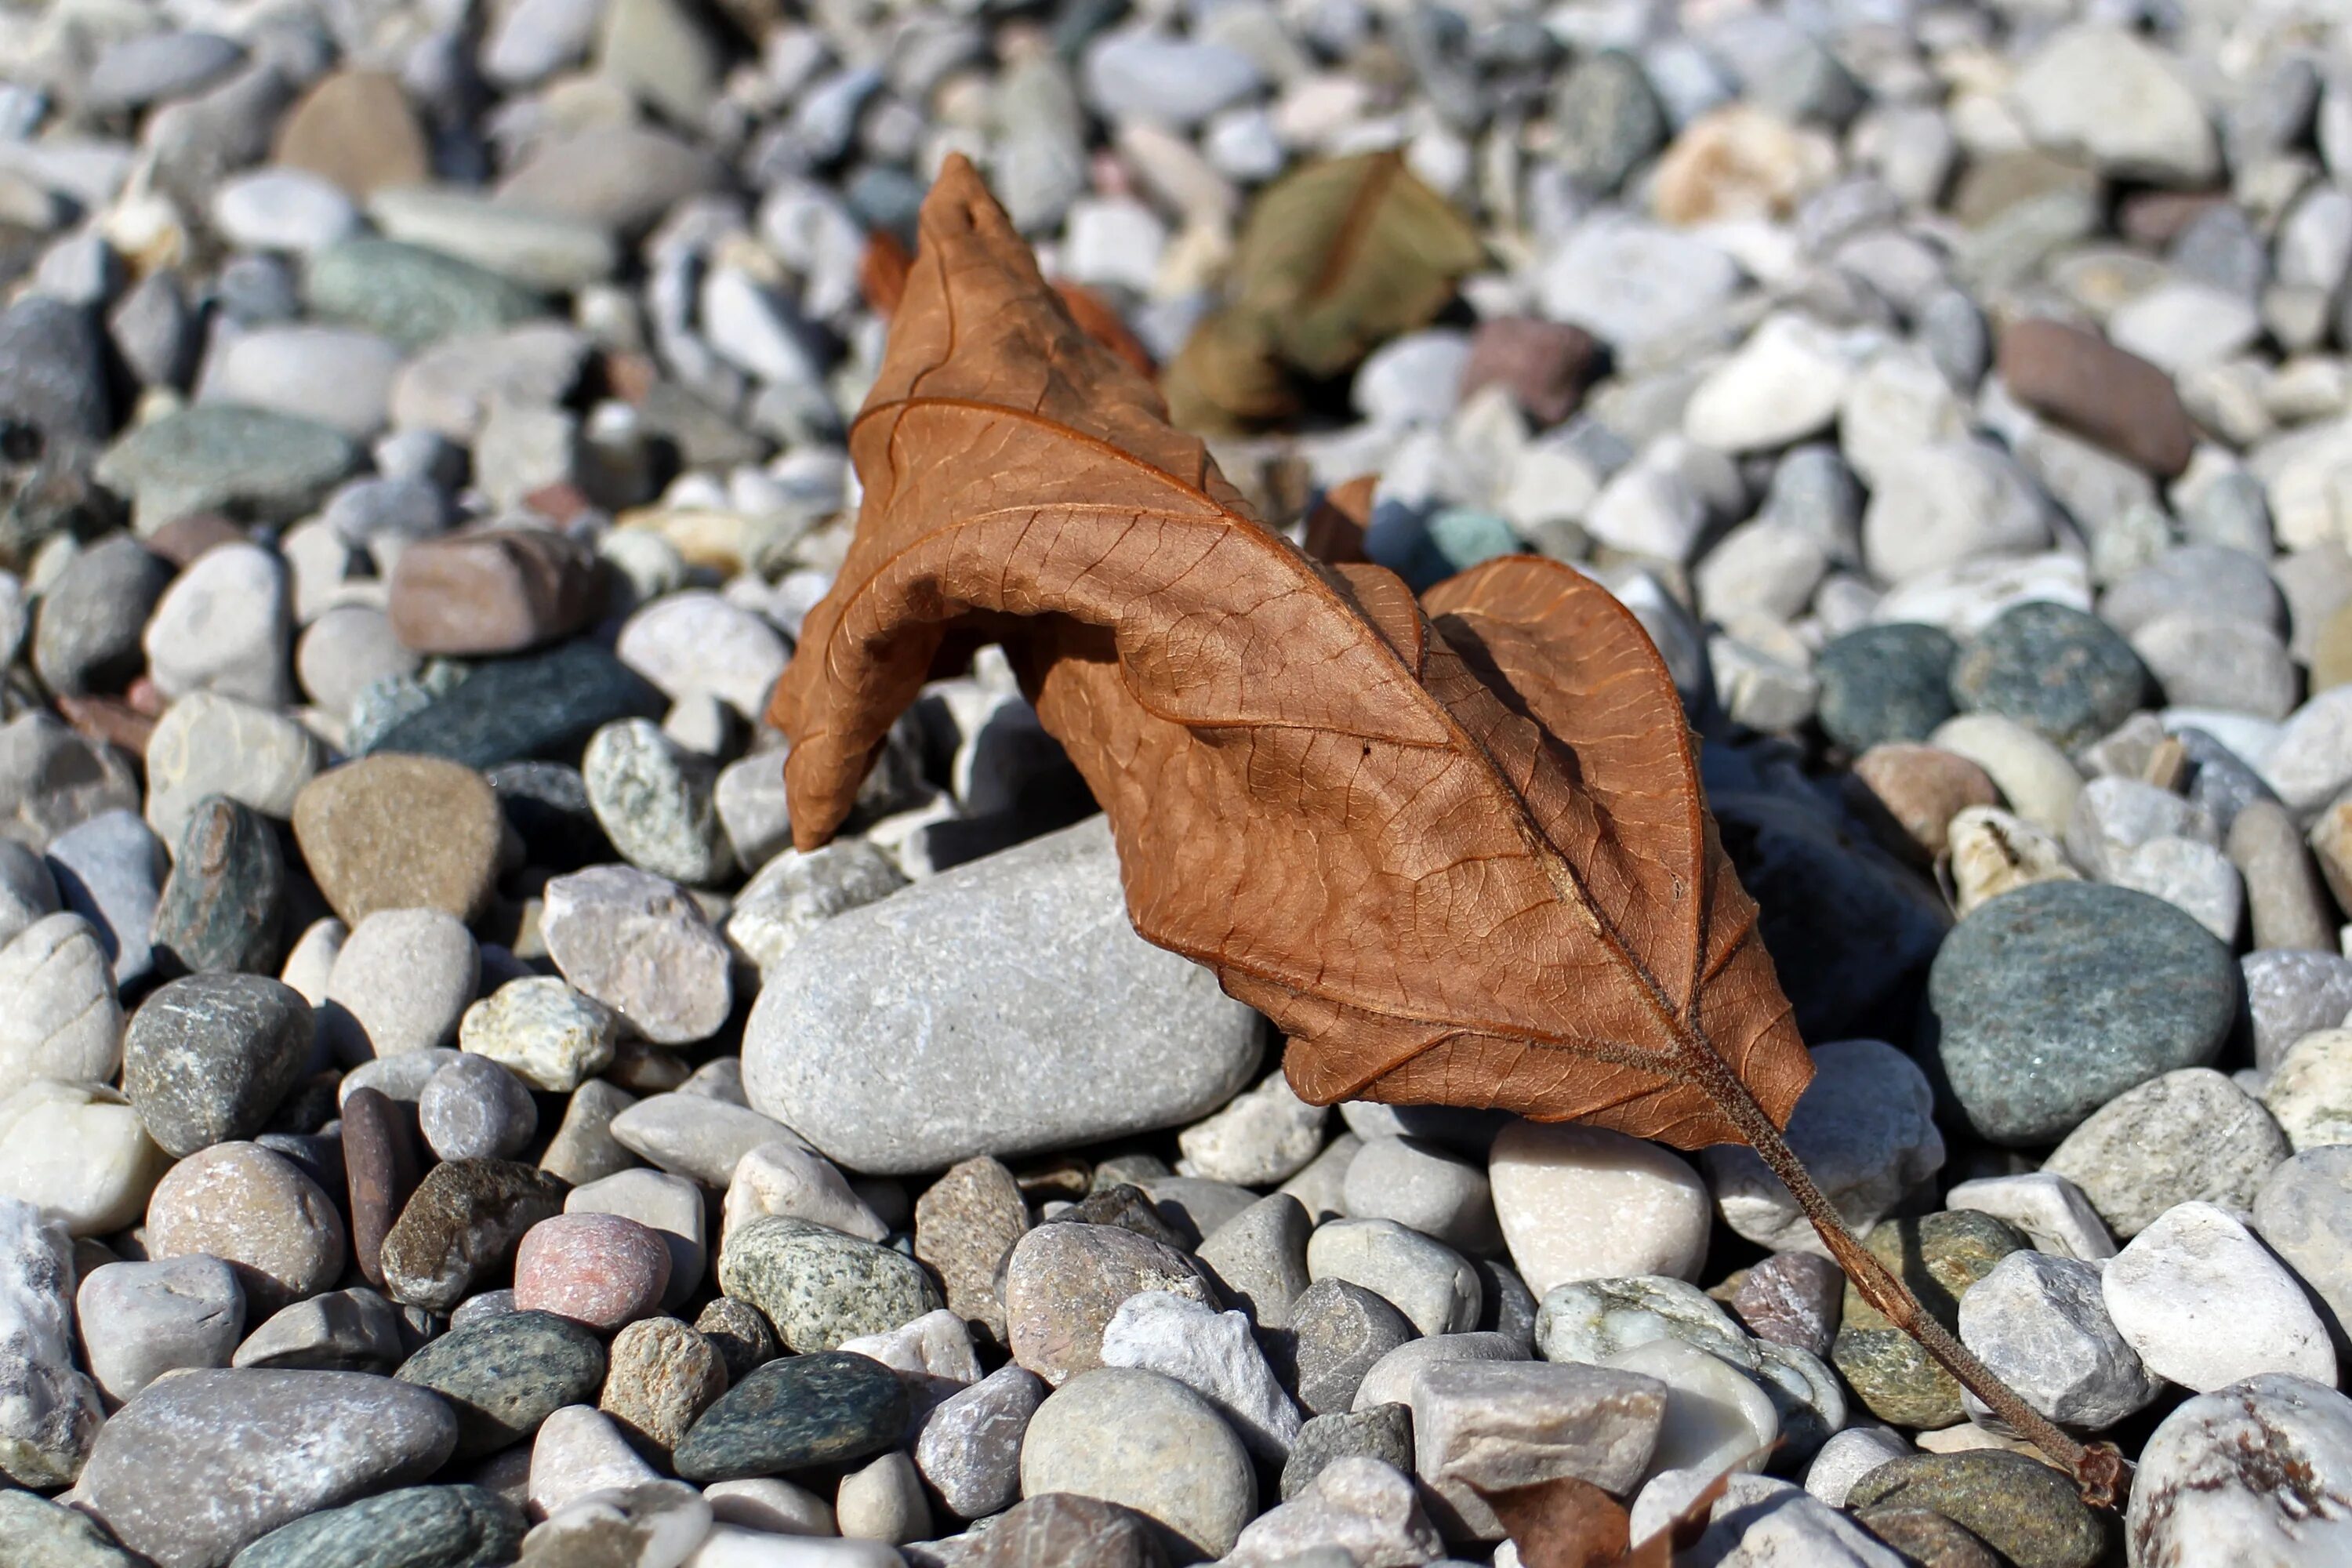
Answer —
1566 1522
1336 524
1336 258
882 272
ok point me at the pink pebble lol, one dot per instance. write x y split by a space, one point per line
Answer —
600 1270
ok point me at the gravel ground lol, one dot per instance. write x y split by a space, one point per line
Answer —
443 1124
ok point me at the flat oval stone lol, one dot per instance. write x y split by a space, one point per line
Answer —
826 1407
2052 999
492 591
463 1221
916 1031
2019 1506
416 1527
539 705
203 1464
507 1373
2060 672
390 832
208 1059
819 1287
224 905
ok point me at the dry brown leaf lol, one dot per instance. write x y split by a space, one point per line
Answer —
1566 1522
1455 849
882 278
1336 523
1460 860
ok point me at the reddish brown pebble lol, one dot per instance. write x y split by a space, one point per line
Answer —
500 590
381 1169
1546 366
108 719
2156 218
357 129
2105 395
182 539
1792 1299
600 1270
1922 789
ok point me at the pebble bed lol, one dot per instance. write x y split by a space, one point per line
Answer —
443 1124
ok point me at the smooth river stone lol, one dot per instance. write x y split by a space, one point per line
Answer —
416 1527
925 1028
201 1465
505 1375
828 1407
465 1220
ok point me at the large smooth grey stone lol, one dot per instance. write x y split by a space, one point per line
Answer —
1002 1008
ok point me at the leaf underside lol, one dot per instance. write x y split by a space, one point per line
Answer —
1455 849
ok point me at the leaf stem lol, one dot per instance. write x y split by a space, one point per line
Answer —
2098 1469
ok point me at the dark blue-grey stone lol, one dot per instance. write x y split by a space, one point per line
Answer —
224 906
2064 674
827 1408
2222 784
505 1375
411 295
547 804
418 1527
1608 121
1885 683
1848 927
2051 1000
87 628
53 371
539 705
206 1059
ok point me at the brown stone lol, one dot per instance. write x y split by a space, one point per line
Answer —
1546 366
255 1210
356 128
497 591
380 1166
1063 1529
1990 187
1063 1283
1791 1298
109 720
1927 1538
2156 218
964 1224
662 1374
395 832
1921 789
182 539
2331 654
2099 391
